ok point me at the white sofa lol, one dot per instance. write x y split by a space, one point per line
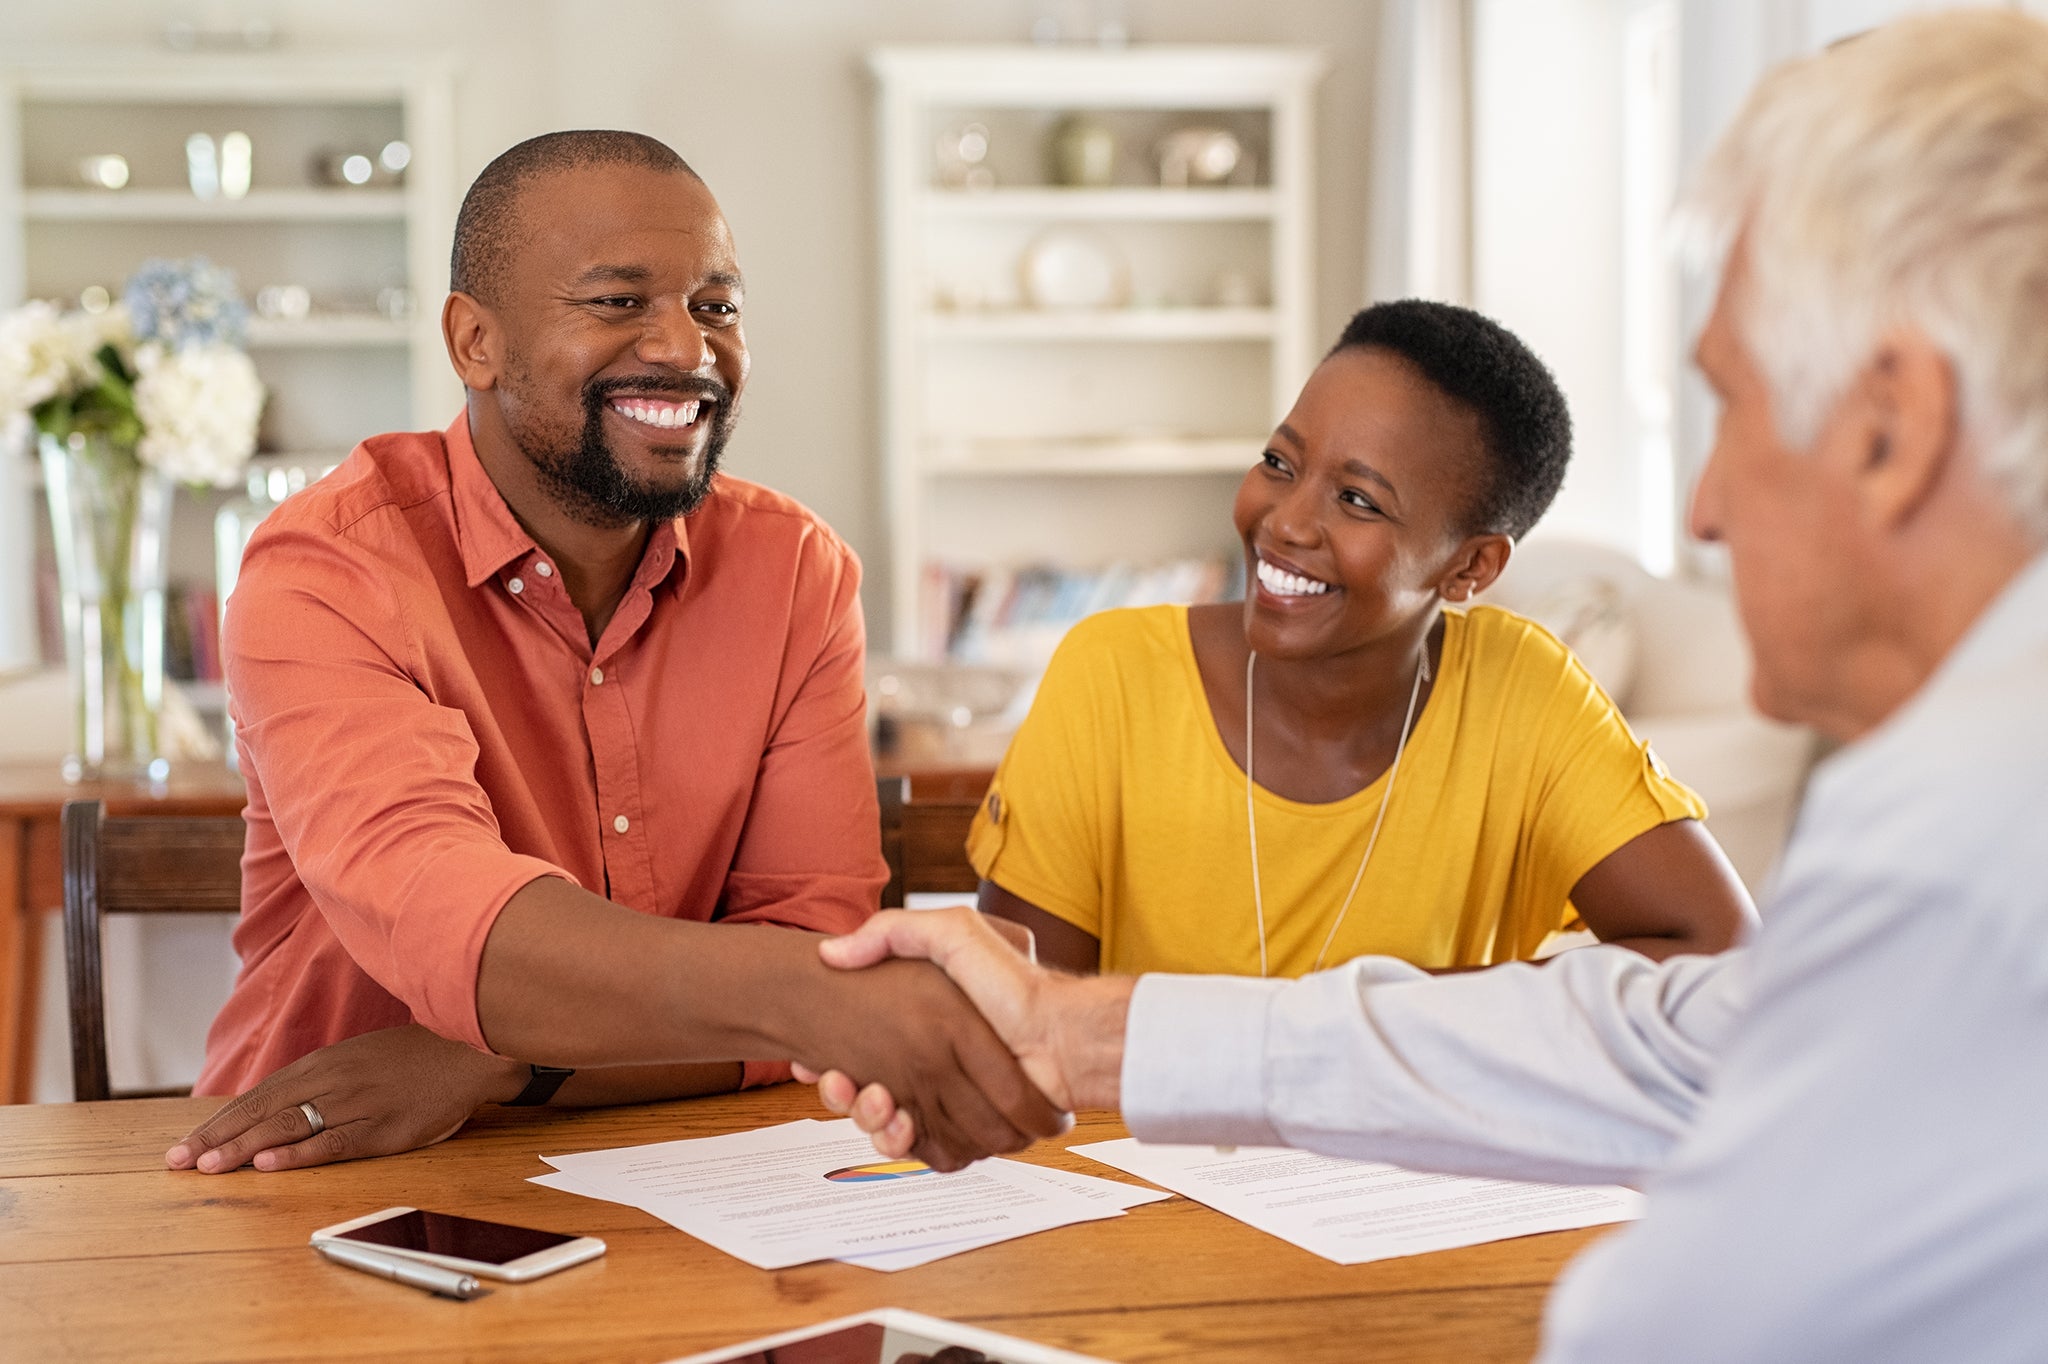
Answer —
1673 657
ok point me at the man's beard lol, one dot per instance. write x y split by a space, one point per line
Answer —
587 477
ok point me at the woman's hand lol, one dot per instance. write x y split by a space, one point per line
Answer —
378 1094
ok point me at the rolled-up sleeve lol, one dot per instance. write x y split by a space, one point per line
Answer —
1585 1070
372 785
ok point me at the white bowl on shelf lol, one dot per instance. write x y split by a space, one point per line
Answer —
1074 268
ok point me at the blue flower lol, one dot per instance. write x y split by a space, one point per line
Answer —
186 303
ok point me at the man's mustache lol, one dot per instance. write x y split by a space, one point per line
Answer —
675 385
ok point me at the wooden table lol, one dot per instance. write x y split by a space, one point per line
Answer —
32 797
103 1252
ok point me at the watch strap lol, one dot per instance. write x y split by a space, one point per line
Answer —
541 1087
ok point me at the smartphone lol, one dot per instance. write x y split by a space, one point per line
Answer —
492 1250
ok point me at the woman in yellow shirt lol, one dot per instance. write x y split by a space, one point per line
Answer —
1352 761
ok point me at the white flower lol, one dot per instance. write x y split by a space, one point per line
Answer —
44 353
114 326
199 407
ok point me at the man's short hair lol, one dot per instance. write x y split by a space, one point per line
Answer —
1899 177
487 230
1524 424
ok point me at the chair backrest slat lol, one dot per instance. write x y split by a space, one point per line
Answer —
146 864
924 835
158 865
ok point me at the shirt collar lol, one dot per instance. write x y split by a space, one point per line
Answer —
2011 627
487 533
490 537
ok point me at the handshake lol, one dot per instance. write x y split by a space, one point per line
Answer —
1065 1032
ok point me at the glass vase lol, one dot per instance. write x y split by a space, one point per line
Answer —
269 484
110 521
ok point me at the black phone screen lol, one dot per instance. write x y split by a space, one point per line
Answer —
465 1238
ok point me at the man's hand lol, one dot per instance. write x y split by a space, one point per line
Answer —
380 1093
641 989
1067 1032
905 1029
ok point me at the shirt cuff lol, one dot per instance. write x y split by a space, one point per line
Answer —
1195 1060
756 1073
1200 1051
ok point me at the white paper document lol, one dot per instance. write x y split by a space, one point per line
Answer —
1109 1192
811 1190
1353 1211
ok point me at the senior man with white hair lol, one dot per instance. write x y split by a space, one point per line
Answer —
1843 1126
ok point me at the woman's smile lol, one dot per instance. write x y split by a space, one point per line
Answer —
1280 579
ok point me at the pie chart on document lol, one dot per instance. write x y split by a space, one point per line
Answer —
878 1170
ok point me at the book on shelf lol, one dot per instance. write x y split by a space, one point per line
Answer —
192 635
1014 617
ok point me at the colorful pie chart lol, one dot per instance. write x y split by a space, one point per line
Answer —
881 1169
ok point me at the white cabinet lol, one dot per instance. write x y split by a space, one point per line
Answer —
358 360
346 369
1077 375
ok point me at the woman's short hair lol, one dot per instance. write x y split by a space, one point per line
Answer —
1900 177
1524 423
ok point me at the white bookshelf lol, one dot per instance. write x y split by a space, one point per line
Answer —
1115 455
344 371
179 206
1109 324
1102 205
328 330
1015 435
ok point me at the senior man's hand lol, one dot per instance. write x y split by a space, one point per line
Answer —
1066 1031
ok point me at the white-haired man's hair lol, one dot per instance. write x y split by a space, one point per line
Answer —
1901 177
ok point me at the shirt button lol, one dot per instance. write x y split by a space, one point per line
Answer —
597 677
516 586
545 569
622 824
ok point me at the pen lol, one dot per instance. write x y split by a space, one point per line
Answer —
449 1283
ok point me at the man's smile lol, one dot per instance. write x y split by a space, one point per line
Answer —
656 412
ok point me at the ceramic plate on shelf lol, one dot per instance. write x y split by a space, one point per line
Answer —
1066 267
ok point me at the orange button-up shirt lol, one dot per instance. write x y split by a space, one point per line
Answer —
425 728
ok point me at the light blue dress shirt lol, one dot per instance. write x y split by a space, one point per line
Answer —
1842 1126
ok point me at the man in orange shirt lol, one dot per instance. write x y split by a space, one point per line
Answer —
551 732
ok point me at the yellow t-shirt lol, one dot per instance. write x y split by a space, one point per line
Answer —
1119 810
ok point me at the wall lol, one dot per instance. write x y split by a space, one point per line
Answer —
769 101
1726 45
1546 229
1547 179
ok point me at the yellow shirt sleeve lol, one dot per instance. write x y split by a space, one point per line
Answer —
1040 831
1594 785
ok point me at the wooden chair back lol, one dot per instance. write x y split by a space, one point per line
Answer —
146 864
924 832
